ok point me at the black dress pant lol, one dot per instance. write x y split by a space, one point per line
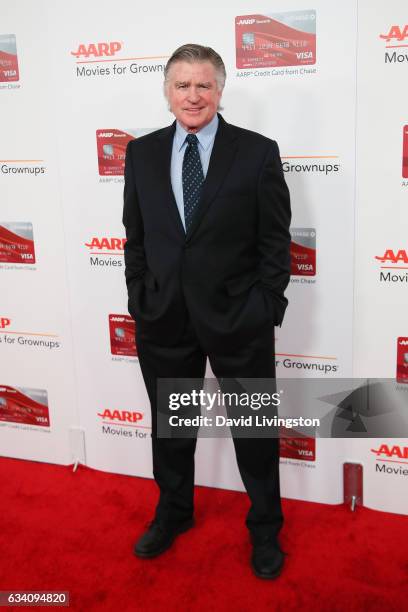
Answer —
173 458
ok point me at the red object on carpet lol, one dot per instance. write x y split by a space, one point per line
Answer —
75 532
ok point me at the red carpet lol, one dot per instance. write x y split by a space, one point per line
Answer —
75 532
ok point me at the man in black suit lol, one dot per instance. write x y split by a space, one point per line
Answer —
207 214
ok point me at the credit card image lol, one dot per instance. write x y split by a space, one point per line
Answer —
16 243
111 148
405 151
402 360
122 335
21 405
303 251
8 58
278 39
294 445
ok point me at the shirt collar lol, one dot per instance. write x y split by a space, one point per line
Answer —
205 136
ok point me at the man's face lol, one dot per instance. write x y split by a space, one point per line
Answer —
193 94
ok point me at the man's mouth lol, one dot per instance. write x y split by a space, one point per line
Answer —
193 110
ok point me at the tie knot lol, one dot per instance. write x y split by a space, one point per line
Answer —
192 139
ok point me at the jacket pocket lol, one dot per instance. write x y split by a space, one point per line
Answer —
241 283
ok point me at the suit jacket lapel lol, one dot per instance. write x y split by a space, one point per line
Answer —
222 156
162 161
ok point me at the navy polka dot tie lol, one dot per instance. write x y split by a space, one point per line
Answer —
193 178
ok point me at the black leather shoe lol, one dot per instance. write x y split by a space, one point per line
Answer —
267 558
158 538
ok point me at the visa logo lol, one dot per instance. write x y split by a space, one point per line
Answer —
305 55
10 73
97 49
305 267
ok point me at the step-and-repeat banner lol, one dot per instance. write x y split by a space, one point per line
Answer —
77 82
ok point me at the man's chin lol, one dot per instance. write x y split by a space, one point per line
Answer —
193 119
194 122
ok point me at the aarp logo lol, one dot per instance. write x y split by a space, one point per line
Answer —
395 257
396 34
100 49
122 417
391 452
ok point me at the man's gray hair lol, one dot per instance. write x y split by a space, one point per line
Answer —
197 53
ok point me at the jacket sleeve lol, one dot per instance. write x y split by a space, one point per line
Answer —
135 261
273 233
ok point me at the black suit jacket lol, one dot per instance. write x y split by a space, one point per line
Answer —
229 272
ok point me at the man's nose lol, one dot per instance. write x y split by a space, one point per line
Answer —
193 94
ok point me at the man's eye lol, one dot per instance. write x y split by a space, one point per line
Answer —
181 86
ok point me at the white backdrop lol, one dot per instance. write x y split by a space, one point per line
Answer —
89 78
